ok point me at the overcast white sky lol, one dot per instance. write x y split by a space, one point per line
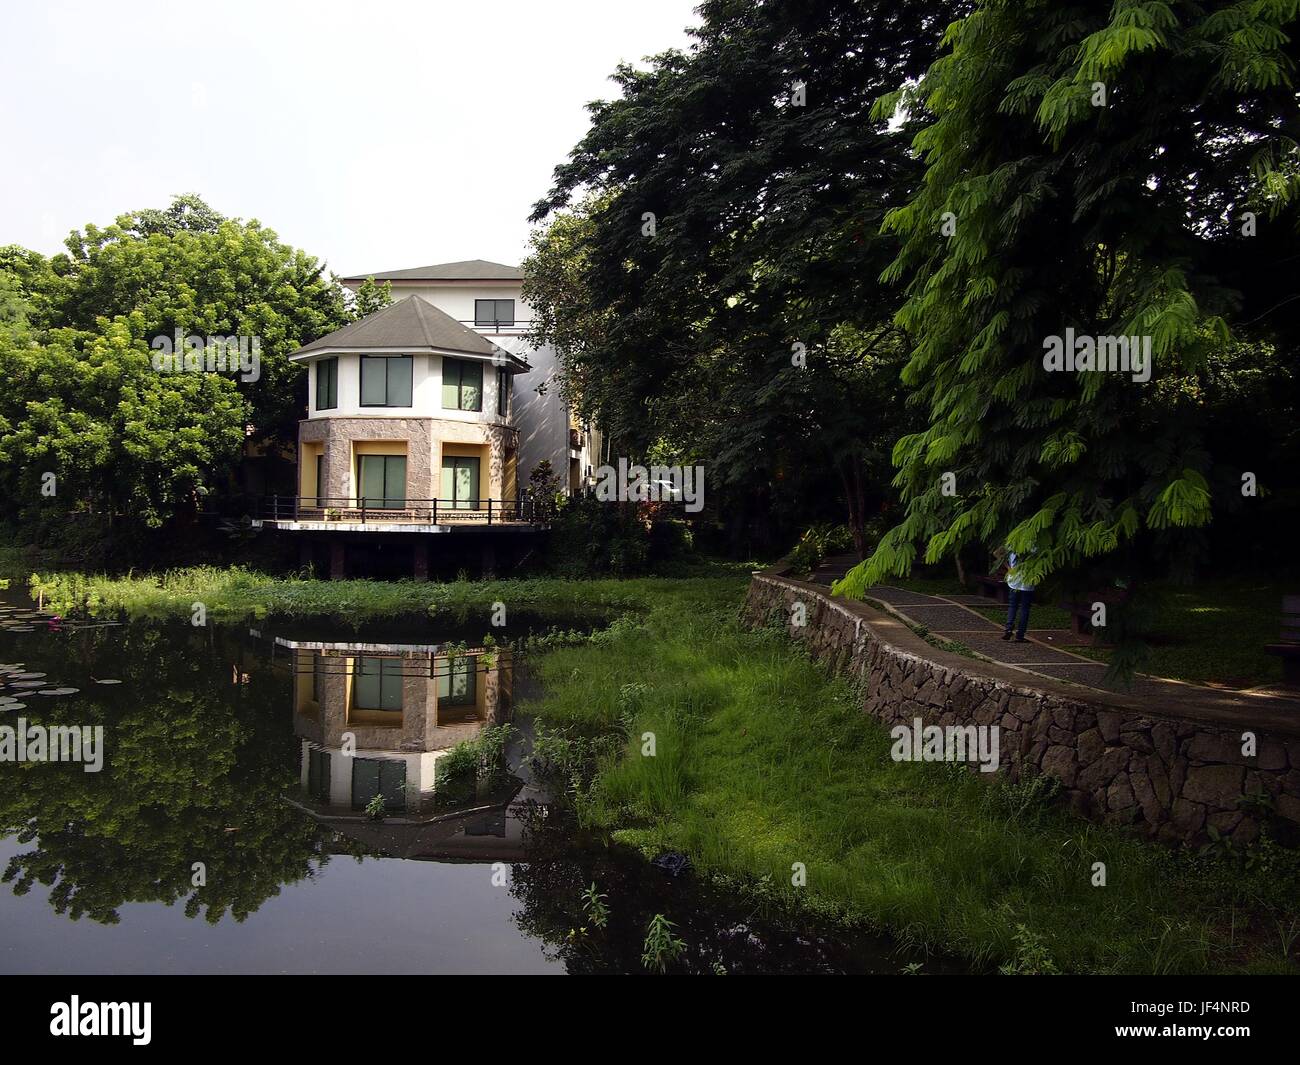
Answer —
375 136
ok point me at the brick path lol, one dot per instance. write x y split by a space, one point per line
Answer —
951 617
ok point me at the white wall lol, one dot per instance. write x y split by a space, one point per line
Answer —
543 420
426 393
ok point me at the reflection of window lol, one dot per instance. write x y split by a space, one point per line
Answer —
494 312
385 380
318 775
378 776
377 684
317 675
327 384
462 385
457 682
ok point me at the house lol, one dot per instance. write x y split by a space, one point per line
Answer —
487 297
417 424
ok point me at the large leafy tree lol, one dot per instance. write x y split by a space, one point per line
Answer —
767 179
127 444
1120 169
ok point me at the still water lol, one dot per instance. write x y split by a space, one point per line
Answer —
234 826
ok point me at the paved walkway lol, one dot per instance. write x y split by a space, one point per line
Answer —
952 617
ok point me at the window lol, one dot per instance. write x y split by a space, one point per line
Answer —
459 483
494 312
379 776
503 392
383 481
457 683
327 384
385 380
462 385
377 684
318 775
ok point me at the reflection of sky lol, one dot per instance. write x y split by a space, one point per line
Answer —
381 916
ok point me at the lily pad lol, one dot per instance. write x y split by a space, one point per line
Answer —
58 691
29 676
106 680
13 706
27 684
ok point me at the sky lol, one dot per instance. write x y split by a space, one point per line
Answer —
373 136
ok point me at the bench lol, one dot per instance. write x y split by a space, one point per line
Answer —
1081 612
1288 647
991 587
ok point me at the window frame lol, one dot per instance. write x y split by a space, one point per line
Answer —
331 382
388 361
448 362
504 383
496 320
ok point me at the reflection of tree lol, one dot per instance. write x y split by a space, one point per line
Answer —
195 766
742 932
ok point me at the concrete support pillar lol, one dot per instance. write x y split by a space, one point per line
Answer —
421 559
337 568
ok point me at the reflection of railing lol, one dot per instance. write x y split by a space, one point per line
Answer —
477 511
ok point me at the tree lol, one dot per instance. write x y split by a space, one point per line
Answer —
125 443
730 228
1120 170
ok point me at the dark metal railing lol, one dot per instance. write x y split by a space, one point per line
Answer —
478 511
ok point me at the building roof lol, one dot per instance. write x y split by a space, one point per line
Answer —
468 270
412 324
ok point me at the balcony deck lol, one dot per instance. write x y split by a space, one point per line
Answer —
319 514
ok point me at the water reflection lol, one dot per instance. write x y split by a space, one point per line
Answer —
258 753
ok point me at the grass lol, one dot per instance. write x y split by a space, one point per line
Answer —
236 592
762 760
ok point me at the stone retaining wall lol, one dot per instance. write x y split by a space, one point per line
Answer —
1166 774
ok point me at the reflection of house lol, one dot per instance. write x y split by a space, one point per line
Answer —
377 718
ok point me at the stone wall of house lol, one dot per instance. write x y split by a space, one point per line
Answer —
1119 761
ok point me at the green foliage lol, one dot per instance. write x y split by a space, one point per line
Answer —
479 757
1123 219
662 947
750 329
596 906
129 444
817 543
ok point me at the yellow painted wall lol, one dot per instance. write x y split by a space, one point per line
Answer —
307 472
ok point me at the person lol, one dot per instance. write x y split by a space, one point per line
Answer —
1020 597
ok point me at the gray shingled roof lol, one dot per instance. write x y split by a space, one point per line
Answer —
410 324
469 270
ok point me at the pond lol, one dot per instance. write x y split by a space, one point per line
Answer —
279 796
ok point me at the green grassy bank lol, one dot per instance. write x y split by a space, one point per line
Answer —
762 761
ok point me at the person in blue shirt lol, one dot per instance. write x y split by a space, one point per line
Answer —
1020 597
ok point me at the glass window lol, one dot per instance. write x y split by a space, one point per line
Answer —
377 684
386 380
327 384
503 392
460 483
382 481
494 312
458 682
462 385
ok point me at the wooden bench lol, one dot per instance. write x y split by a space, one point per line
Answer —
1081 612
991 587
1288 648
